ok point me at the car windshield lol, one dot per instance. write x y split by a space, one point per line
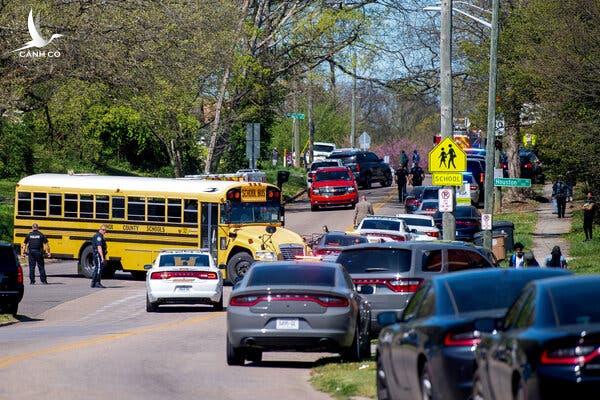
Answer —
321 164
327 148
7 259
364 261
248 213
344 158
383 224
184 260
292 274
577 304
343 240
429 194
333 176
417 221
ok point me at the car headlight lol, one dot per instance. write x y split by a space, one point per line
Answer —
265 256
350 189
316 191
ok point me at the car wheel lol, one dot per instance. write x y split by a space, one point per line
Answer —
365 345
218 306
426 386
314 208
368 182
383 392
353 353
235 356
151 307
388 180
138 275
238 265
353 206
254 356
86 262
477 387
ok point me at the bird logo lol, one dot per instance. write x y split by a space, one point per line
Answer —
36 39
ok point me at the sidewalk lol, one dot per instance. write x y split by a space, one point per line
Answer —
550 229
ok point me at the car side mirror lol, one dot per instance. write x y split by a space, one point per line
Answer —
387 318
147 267
413 231
366 289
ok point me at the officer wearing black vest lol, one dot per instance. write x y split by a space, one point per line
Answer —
99 256
34 245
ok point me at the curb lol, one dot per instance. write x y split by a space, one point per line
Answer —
295 197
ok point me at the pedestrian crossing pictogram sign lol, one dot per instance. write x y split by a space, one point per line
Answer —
447 156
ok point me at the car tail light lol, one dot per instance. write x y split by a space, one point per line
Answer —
474 187
183 274
462 339
396 238
504 166
527 165
19 274
433 234
357 167
575 355
466 223
319 251
323 301
401 285
481 177
412 202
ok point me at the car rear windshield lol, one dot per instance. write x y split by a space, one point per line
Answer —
418 221
577 304
296 274
344 240
429 194
323 147
428 204
7 259
469 179
184 260
463 212
320 164
475 294
365 261
345 158
382 224
333 176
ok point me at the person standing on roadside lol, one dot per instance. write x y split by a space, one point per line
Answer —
589 212
403 160
416 158
363 209
417 175
99 256
34 246
275 156
401 179
560 192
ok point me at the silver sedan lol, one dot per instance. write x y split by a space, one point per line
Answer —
297 306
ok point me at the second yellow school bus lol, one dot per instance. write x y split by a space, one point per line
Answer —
239 222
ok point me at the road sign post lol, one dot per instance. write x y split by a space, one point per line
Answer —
252 143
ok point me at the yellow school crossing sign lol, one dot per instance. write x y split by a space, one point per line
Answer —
447 156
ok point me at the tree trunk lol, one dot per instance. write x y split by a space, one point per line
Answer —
512 140
174 158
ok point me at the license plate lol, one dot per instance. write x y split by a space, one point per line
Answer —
288 324
254 193
183 289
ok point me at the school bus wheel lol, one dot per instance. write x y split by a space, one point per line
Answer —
238 265
86 261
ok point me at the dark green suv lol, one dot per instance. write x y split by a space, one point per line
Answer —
11 280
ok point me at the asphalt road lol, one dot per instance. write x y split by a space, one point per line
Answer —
74 342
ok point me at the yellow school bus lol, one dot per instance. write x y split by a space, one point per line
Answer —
239 222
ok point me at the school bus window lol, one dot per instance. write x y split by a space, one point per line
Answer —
156 209
136 209
86 206
55 204
40 204
24 205
174 211
118 207
70 206
102 207
190 212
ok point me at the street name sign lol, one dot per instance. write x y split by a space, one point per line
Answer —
295 115
445 200
512 182
447 156
446 179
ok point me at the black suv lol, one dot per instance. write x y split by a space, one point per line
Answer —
367 167
11 280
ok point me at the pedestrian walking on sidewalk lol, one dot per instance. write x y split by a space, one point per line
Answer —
589 212
521 259
34 246
99 256
363 209
556 259
560 191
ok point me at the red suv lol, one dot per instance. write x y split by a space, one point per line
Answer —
333 186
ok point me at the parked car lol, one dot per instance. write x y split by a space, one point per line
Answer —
332 243
531 166
183 276
422 225
428 353
382 228
392 272
11 280
468 222
298 306
320 164
427 207
333 187
322 150
547 346
413 199
366 166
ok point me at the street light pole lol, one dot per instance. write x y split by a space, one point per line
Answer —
353 104
448 220
490 146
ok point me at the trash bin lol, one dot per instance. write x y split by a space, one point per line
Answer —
507 228
499 246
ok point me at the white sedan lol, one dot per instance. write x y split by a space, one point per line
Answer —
422 225
380 228
183 277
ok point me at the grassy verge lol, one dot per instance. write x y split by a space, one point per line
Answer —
586 255
6 319
344 380
296 182
524 225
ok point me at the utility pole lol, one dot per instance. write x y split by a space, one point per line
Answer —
490 159
311 125
295 127
448 220
353 106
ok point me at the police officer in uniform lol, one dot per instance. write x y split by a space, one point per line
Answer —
34 245
99 256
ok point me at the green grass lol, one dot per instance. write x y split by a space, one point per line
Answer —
345 380
6 319
6 222
524 225
296 182
586 255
